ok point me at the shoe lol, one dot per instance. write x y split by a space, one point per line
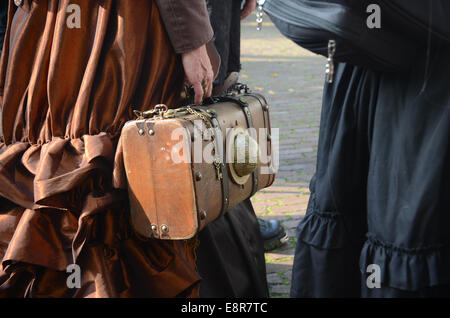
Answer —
229 81
273 234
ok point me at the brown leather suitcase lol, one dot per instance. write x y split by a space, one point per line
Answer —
175 189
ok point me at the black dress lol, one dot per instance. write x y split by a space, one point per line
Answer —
377 219
380 194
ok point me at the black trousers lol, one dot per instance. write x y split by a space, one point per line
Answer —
226 22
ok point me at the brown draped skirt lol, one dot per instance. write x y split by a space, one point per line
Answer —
65 95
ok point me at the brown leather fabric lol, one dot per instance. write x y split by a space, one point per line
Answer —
66 94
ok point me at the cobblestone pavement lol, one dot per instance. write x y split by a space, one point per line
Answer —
292 80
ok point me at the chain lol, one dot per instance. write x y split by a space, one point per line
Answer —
330 61
196 113
199 115
259 14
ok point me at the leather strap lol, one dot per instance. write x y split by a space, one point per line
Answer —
248 116
265 107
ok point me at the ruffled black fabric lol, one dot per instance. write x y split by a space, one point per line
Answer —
321 268
325 230
325 262
407 269
325 258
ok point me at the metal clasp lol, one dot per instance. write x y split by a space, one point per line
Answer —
160 109
238 89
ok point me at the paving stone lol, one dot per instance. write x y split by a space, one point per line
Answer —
264 204
279 217
274 278
280 289
289 208
288 276
281 254
298 199
294 188
290 224
292 232
275 195
278 267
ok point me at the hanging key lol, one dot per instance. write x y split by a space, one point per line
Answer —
218 166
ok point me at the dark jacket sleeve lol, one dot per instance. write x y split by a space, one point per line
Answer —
187 23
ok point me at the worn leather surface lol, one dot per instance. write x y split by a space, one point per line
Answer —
161 190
